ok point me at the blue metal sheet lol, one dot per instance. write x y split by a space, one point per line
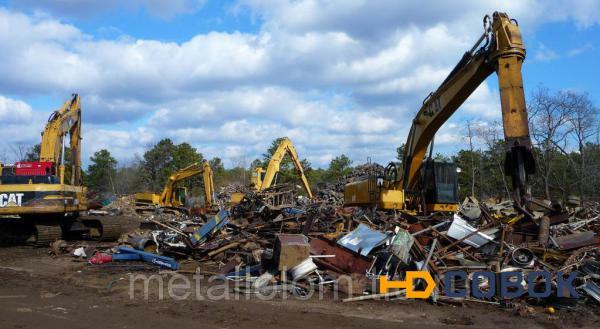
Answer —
362 240
148 257
293 211
126 256
213 225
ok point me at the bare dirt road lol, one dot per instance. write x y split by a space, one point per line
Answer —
42 291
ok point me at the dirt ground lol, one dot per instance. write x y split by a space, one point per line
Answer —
38 290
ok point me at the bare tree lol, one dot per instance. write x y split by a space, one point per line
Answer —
549 119
19 151
583 122
490 135
3 156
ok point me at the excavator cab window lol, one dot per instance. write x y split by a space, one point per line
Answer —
180 194
441 182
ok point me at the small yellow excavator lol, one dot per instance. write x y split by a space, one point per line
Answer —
172 197
424 185
263 179
38 201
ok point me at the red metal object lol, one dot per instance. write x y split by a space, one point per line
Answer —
100 258
33 168
345 261
577 240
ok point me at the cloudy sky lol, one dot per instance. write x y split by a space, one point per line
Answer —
338 76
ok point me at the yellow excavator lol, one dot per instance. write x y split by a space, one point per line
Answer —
39 200
263 179
423 185
172 196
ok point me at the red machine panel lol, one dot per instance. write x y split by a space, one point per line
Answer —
35 168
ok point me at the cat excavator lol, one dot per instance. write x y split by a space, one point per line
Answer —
172 196
423 185
263 179
39 201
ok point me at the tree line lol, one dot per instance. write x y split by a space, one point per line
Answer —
150 171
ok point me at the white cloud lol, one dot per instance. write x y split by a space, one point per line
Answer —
14 111
580 50
123 144
422 77
585 13
484 103
545 54
21 128
370 18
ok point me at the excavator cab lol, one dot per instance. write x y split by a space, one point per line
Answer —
258 176
441 185
179 196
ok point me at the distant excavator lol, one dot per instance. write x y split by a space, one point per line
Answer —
423 185
172 196
263 179
38 201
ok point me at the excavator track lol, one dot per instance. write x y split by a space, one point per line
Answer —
111 231
45 234
103 228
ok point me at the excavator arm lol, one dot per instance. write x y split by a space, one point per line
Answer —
209 186
67 120
285 147
500 49
166 197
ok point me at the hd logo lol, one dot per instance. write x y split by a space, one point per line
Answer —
11 199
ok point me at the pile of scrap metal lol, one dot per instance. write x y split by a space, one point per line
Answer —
183 236
269 201
351 250
122 205
246 227
358 173
304 245
226 191
495 239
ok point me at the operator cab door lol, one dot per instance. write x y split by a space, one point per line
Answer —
441 182
179 196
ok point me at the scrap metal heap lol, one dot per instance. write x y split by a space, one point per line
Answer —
319 244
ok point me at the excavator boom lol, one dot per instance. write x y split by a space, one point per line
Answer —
66 120
503 52
285 147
